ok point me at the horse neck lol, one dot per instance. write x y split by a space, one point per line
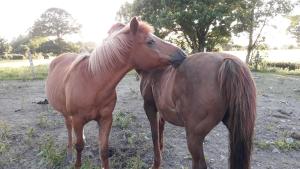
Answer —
111 78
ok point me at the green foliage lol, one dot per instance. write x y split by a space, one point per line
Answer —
284 65
22 49
287 146
122 120
135 162
19 44
35 42
52 156
4 134
4 130
200 23
58 46
281 144
87 164
16 57
55 22
4 47
294 28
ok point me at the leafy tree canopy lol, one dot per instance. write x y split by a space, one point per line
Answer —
294 27
200 23
4 47
55 22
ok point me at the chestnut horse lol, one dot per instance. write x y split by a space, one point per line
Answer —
83 88
205 89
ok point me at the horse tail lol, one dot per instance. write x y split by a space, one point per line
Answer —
239 92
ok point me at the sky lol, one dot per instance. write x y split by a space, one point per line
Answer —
97 16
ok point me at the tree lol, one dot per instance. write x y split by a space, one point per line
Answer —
57 47
55 22
200 23
35 42
4 47
18 44
253 16
294 28
32 43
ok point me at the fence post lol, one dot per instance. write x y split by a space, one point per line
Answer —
31 64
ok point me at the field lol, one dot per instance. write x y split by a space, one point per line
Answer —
34 136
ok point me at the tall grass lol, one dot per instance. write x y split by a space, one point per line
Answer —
24 73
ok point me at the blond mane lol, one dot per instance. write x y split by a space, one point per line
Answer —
110 53
114 49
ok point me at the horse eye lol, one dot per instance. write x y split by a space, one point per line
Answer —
150 42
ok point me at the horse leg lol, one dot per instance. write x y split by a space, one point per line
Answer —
105 122
78 129
195 146
151 113
68 122
161 133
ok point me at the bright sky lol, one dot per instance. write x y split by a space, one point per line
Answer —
96 17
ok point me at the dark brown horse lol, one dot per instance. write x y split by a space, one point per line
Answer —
205 89
83 88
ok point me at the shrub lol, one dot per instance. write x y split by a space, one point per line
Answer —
284 65
17 57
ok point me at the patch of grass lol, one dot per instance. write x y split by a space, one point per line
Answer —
4 134
125 160
43 121
30 132
135 162
4 147
24 73
281 144
4 131
87 164
122 120
52 156
287 146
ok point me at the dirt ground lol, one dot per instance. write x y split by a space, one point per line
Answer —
34 136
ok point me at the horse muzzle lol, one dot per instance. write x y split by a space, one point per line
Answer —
177 58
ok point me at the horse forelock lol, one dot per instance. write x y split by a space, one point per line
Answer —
145 27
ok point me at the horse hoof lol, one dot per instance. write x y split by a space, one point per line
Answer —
77 166
153 167
69 158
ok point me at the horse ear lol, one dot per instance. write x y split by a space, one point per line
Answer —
134 24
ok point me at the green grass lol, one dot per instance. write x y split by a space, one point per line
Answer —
122 120
87 164
287 146
52 155
24 73
4 134
280 144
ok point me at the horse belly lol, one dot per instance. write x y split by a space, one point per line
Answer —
171 115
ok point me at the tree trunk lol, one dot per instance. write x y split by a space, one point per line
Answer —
250 44
249 48
201 37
